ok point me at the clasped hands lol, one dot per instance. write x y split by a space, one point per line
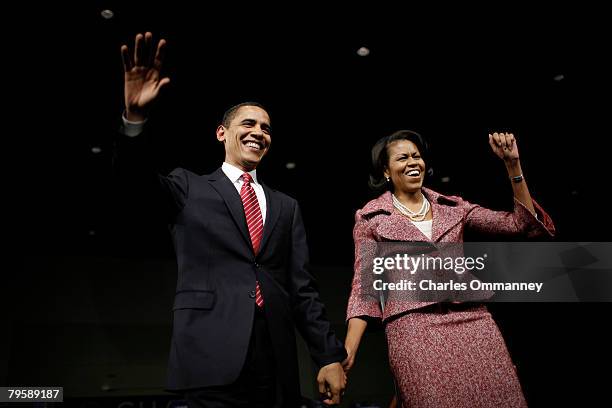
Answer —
332 382
332 378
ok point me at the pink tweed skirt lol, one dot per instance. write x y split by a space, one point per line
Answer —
451 356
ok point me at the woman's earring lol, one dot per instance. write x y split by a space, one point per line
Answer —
388 179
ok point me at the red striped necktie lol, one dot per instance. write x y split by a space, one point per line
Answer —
254 221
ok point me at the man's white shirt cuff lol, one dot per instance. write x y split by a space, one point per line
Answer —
132 129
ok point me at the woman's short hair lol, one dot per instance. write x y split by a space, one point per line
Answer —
380 156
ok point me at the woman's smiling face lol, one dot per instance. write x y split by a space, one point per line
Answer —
406 167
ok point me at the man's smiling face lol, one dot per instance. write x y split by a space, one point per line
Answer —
246 138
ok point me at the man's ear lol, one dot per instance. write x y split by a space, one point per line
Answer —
221 133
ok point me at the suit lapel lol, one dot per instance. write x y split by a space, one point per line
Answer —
445 217
393 226
273 211
228 192
396 227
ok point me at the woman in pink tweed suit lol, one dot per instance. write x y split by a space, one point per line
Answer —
441 354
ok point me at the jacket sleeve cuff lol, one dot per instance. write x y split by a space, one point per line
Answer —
132 129
362 305
539 225
336 357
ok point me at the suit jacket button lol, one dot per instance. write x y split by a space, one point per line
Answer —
252 294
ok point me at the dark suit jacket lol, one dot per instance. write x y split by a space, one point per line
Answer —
217 270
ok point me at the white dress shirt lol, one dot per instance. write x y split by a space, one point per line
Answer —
424 226
235 175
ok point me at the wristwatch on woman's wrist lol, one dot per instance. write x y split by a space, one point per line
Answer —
517 179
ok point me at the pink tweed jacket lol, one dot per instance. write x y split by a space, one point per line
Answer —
378 222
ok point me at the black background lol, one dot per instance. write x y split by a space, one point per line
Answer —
454 74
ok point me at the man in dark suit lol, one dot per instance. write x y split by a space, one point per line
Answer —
243 280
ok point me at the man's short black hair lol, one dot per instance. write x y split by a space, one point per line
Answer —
229 114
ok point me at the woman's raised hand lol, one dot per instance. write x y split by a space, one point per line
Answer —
504 146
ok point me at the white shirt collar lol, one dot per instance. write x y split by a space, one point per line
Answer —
234 173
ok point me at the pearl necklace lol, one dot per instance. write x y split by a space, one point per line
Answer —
415 216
